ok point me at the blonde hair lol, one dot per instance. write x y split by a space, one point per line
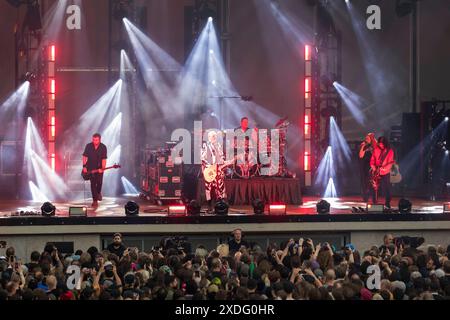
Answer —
223 250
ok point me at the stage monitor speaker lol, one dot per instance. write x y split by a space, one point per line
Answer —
446 208
77 212
375 208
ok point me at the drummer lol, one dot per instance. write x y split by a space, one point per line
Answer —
245 143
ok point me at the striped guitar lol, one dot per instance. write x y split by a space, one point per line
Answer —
210 172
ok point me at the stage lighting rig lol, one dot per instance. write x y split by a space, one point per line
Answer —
131 208
193 208
323 207
122 9
48 209
204 10
221 208
29 76
404 206
258 206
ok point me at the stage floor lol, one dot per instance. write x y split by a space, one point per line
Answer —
114 207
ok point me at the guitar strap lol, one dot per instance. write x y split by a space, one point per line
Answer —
383 156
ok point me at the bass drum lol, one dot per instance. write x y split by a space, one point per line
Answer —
245 171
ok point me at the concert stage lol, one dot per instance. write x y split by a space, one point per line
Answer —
339 227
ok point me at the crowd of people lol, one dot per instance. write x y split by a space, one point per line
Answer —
399 269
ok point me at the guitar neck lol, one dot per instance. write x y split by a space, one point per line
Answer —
107 168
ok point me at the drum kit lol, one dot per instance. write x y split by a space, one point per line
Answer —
250 166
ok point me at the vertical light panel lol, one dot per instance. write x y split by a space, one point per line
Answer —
307 118
51 106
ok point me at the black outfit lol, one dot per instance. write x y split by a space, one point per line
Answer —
234 246
364 172
94 162
117 251
385 187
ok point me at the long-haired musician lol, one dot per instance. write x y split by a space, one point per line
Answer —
365 154
381 164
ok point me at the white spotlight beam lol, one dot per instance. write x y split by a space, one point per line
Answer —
159 55
354 102
91 121
15 101
129 188
36 194
339 144
125 65
47 179
295 31
153 70
111 135
111 177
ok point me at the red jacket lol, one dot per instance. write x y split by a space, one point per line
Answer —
375 161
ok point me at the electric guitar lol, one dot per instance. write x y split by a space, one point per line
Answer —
210 172
396 176
87 175
375 176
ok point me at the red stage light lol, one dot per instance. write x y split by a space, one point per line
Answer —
53 127
307 53
307 88
307 125
277 209
52 53
53 162
307 166
177 210
446 208
52 86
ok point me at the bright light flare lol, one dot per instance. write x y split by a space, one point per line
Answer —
354 102
129 188
339 143
36 194
330 191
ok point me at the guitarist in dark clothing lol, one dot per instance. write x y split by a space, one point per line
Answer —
94 158
381 164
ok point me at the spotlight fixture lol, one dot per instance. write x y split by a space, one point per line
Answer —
375 208
48 209
122 9
446 119
193 208
323 207
258 206
210 19
77 212
131 208
404 206
29 76
276 209
221 208
446 207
